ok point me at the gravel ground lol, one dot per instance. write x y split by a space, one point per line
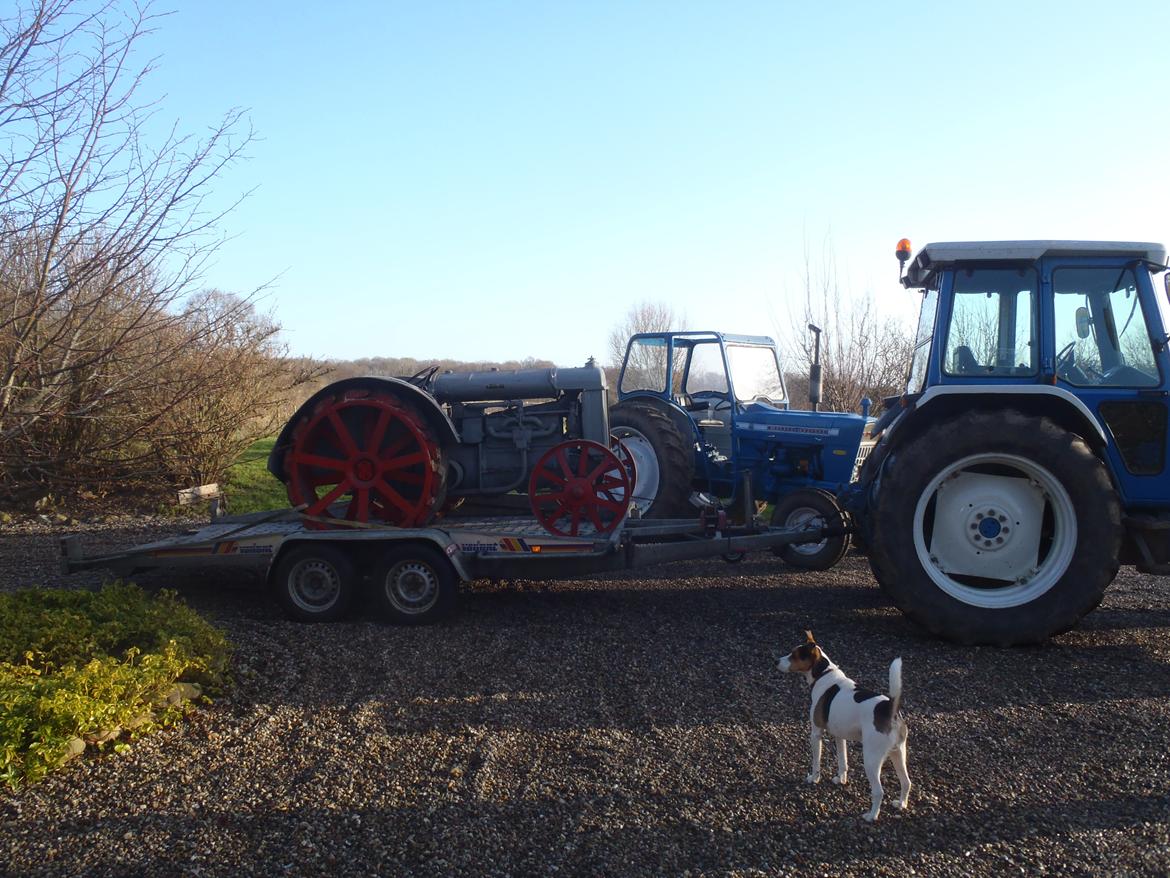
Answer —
621 726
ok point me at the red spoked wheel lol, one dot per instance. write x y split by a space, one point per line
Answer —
577 483
374 449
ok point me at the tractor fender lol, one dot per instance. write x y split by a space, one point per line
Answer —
426 405
683 422
920 412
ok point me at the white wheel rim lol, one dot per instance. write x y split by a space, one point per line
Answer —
805 517
645 465
411 587
314 585
990 526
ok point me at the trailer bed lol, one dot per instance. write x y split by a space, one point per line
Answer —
476 548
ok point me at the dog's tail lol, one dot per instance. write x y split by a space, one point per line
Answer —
896 684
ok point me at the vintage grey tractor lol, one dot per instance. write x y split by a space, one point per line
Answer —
402 451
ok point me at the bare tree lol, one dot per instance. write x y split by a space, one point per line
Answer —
103 235
647 363
862 355
234 371
642 317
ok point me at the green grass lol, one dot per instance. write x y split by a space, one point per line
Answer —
248 485
82 669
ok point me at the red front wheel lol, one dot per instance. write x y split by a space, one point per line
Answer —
579 484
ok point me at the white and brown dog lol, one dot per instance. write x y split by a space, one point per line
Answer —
850 713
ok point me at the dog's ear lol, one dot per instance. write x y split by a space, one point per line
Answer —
809 637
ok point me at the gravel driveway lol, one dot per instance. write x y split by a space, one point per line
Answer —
621 726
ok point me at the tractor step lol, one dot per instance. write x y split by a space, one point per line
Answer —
1151 536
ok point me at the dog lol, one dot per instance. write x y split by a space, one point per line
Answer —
850 713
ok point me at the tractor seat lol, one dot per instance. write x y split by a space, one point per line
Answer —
964 362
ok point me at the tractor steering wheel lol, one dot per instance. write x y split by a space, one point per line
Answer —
1067 367
704 397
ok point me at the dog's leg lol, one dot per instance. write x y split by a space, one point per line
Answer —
898 757
842 763
874 752
814 743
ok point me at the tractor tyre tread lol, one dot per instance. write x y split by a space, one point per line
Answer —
676 463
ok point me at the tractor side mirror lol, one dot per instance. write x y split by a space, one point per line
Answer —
1084 322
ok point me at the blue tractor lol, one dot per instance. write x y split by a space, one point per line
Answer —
708 411
1027 460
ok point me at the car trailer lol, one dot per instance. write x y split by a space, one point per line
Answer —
415 572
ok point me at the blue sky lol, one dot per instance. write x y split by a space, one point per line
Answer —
495 180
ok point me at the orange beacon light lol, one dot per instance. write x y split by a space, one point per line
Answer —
903 253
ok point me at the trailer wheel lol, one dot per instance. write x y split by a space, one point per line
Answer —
807 508
664 465
415 585
315 583
996 527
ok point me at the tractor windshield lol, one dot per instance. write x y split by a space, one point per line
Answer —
755 373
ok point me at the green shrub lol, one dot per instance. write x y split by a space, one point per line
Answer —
80 668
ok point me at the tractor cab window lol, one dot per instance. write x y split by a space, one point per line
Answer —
992 328
645 366
755 373
705 372
1102 338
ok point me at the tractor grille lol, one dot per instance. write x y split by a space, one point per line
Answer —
863 451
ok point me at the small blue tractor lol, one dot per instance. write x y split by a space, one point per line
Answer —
709 411
1027 459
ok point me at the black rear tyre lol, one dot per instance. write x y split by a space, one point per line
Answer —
809 507
995 527
663 459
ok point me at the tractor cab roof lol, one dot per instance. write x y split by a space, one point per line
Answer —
702 335
933 258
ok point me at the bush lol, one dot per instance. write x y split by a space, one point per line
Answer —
81 668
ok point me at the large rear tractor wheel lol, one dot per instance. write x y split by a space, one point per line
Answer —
811 508
663 461
996 527
371 450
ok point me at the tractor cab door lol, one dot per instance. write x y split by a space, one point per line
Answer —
1109 344
707 394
